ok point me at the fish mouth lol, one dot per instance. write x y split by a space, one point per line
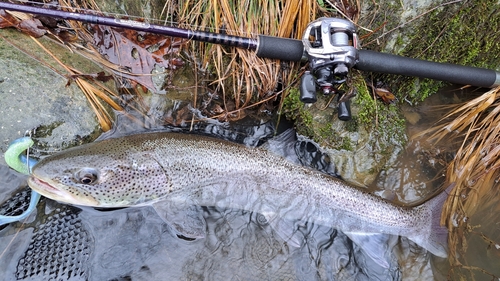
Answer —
40 184
51 191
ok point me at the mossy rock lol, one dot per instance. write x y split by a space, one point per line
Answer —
359 148
461 33
36 99
456 32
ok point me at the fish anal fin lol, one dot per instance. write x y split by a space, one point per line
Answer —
377 246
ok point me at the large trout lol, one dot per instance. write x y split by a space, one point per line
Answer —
177 170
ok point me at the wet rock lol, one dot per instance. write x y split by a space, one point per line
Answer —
362 164
359 148
34 96
429 30
455 32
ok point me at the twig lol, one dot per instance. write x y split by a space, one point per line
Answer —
346 17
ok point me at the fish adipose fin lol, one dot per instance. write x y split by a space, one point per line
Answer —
435 237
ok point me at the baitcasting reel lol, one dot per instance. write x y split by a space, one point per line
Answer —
331 46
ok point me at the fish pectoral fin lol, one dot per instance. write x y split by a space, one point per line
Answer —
187 221
377 246
286 230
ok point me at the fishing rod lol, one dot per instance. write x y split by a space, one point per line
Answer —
330 44
290 50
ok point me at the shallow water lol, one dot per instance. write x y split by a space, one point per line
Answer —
62 242
134 244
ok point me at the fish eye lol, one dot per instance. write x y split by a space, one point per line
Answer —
87 175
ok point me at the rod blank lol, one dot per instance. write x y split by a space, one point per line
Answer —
290 49
210 37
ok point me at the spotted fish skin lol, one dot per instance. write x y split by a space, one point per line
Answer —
143 169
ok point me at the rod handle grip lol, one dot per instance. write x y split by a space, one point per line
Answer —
285 49
457 74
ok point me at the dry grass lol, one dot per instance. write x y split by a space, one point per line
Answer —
241 76
94 91
243 80
474 171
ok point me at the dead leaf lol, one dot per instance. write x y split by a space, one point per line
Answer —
382 93
137 52
49 22
179 116
65 35
7 20
30 26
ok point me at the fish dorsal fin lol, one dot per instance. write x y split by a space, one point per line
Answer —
186 220
284 146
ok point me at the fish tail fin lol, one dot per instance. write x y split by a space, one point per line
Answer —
435 239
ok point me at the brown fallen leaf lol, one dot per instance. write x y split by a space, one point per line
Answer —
65 36
137 52
100 76
32 27
382 93
7 20
28 25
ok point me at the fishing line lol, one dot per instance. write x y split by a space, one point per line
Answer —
28 158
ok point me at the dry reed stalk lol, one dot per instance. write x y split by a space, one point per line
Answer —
474 170
242 76
94 89
90 91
